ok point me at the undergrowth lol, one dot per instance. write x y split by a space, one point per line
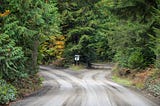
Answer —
147 79
28 85
7 92
152 84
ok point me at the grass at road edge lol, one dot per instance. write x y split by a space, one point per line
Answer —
76 67
122 81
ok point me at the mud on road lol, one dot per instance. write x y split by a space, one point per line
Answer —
63 87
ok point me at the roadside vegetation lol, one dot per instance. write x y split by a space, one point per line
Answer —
122 81
22 25
34 32
77 67
146 80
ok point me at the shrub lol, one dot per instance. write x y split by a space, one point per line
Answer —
155 89
122 58
7 92
136 60
131 58
11 59
152 84
59 62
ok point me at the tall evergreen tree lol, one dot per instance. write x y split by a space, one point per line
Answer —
129 35
78 20
27 21
156 34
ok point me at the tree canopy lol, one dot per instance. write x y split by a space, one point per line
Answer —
111 30
41 31
21 27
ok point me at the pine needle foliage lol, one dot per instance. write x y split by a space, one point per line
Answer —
128 36
20 34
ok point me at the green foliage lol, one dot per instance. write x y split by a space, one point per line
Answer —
121 58
119 29
136 60
86 49
82 25
123 81
26 23
7 92
156 36
11 59
69 53
128 32
103 51
130 58
153 86
20 32
129 38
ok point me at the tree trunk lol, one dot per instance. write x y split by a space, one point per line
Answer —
35 54
88 64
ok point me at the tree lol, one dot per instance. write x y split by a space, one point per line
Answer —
51 49
156 35
128 35
22 23
27 21
78 20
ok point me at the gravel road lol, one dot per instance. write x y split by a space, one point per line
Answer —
63 87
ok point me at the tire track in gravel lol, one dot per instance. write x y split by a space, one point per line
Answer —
126 96
86 88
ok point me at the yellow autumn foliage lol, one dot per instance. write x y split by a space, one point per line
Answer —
53 47
60 46
7 12
59 42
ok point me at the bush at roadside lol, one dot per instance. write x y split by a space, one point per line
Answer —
153 86
7 92
147 79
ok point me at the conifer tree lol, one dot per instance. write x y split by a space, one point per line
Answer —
27 21
156 34
129 35
84 21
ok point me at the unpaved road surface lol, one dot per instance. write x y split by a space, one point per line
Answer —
63 87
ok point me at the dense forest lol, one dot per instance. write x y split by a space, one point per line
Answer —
34 32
